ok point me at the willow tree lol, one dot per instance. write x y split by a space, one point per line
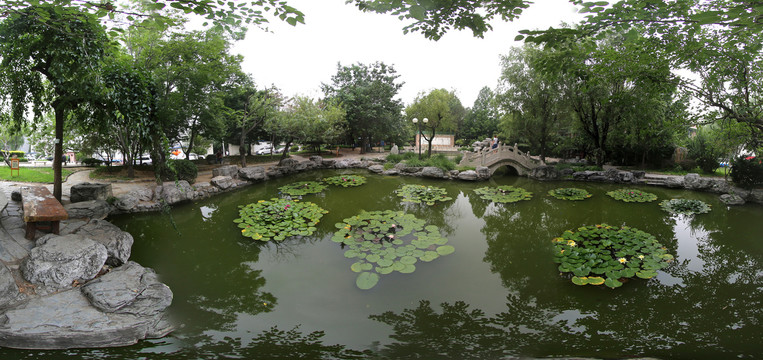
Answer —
441 108
51 57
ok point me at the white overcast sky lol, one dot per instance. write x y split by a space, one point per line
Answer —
298 59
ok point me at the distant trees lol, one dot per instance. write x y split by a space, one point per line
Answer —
482 119
367 94
443 110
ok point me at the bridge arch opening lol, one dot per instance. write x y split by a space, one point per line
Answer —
506 170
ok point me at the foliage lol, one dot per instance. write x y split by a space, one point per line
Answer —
685 206
632 195
569 194
31 174
703 152
387 241
91 162
180 170
503 194
302 188
441 108
345 180
481 120
435 18
603 254
310 122
277 219
747 171
367 94
422 194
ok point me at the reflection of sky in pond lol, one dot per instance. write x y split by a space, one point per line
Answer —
689 238
208 211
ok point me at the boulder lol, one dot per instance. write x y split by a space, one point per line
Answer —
222 182
376 169
732 199
288 163
62 259
128 202
253 173
674 181
227 170
173 193
566 172
452 174
118 243
130 288
624 177
483 172
756 196
348 163
317 160
16 195
394 150
468 175
9 291
391 172
432 172
90 209
66 319
90 191
545 172
328 163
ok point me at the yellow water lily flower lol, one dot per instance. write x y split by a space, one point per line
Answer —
622 260
641 257
571 243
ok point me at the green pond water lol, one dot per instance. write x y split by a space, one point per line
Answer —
498 295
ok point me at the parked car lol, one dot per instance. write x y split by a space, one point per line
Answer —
192 156
279 150
263 150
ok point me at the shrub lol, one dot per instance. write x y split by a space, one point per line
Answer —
91 162
394 158
747 172
704 154
442 162
180 170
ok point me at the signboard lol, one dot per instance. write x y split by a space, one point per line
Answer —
15 166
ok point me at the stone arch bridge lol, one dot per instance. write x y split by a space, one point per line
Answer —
503 155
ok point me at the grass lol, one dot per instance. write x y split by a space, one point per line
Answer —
32 174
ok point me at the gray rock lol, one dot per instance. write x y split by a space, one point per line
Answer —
90 209
253 173
483 172
127 202
400 166
66 320
638 174
318 160
348 163
129 289
545 172
16 195
394 150
391 172
432 172
222 182
582 175
63 259
468 175
328 163
90 191
453 174
674 181
173 193
227 170
288 163
566 172
118 243
624 177
732 199
756 196
8 289
376 169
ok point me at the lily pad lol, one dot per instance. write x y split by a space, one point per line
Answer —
278 219
302 188
367 280
422 194
569 194
685 206
409 268
445 250
345 180
632 195
503 194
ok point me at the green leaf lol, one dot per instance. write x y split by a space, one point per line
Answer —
366 280
445 250
417 12
612 283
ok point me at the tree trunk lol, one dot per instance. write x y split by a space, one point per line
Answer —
58 151
285 151
242 153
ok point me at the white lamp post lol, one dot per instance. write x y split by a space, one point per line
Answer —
418 127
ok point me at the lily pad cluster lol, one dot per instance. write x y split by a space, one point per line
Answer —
685 206
345 180
570 194
387 241
302 188
277 219
602 254
632 195
422 194
503 194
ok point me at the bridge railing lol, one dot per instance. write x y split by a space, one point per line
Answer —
489 156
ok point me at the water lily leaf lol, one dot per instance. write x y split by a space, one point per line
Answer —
613 283
397 266
408 260
366 280
646 274
579 280
351 254
384 270
385 262
409 268
595 280
373 257
366 266
356 266
445 250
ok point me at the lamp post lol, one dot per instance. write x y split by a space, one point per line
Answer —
418 127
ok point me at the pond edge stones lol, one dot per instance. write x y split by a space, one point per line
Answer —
79 290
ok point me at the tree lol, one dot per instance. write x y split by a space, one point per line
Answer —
308 121
367 94
533 97
481 121
50 66
249 108
440 107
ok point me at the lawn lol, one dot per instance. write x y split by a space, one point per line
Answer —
31 174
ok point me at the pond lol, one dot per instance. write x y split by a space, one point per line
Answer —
498 295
